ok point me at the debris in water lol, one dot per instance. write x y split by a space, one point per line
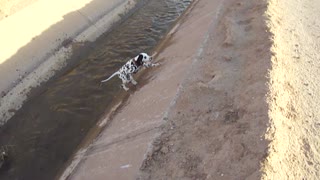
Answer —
3 157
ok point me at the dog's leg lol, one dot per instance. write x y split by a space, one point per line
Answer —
155 64
124 87
147 65
124 82
132 80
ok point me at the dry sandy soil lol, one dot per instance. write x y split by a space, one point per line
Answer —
294 91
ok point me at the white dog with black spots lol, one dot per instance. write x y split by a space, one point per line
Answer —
131 67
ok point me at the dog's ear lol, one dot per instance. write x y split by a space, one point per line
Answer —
140 57
139 60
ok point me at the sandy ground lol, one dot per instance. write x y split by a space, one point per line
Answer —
294 91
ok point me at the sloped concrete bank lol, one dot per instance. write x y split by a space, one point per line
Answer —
208 100
117 153
37 41
216 127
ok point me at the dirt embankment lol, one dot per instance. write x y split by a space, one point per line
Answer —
294 91
216 128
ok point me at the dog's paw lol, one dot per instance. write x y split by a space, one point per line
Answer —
134 82
156 64
124 87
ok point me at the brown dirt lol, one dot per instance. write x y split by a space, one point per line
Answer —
215 129
218 125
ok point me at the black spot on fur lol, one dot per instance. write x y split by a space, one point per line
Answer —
139 60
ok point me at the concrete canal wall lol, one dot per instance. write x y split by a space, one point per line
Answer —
37 41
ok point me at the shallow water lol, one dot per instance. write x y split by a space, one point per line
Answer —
48 128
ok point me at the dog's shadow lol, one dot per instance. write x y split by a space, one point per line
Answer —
142 82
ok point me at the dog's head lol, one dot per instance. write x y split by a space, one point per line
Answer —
143 58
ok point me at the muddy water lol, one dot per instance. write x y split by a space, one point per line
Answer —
44 133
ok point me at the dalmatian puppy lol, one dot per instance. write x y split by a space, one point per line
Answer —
131 67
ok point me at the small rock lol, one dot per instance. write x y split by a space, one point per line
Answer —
227 58
156 148
164 150
202 85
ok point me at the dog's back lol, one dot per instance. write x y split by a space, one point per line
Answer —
132 66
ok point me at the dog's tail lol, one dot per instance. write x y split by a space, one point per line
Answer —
116 73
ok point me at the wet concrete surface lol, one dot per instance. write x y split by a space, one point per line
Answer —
49 127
